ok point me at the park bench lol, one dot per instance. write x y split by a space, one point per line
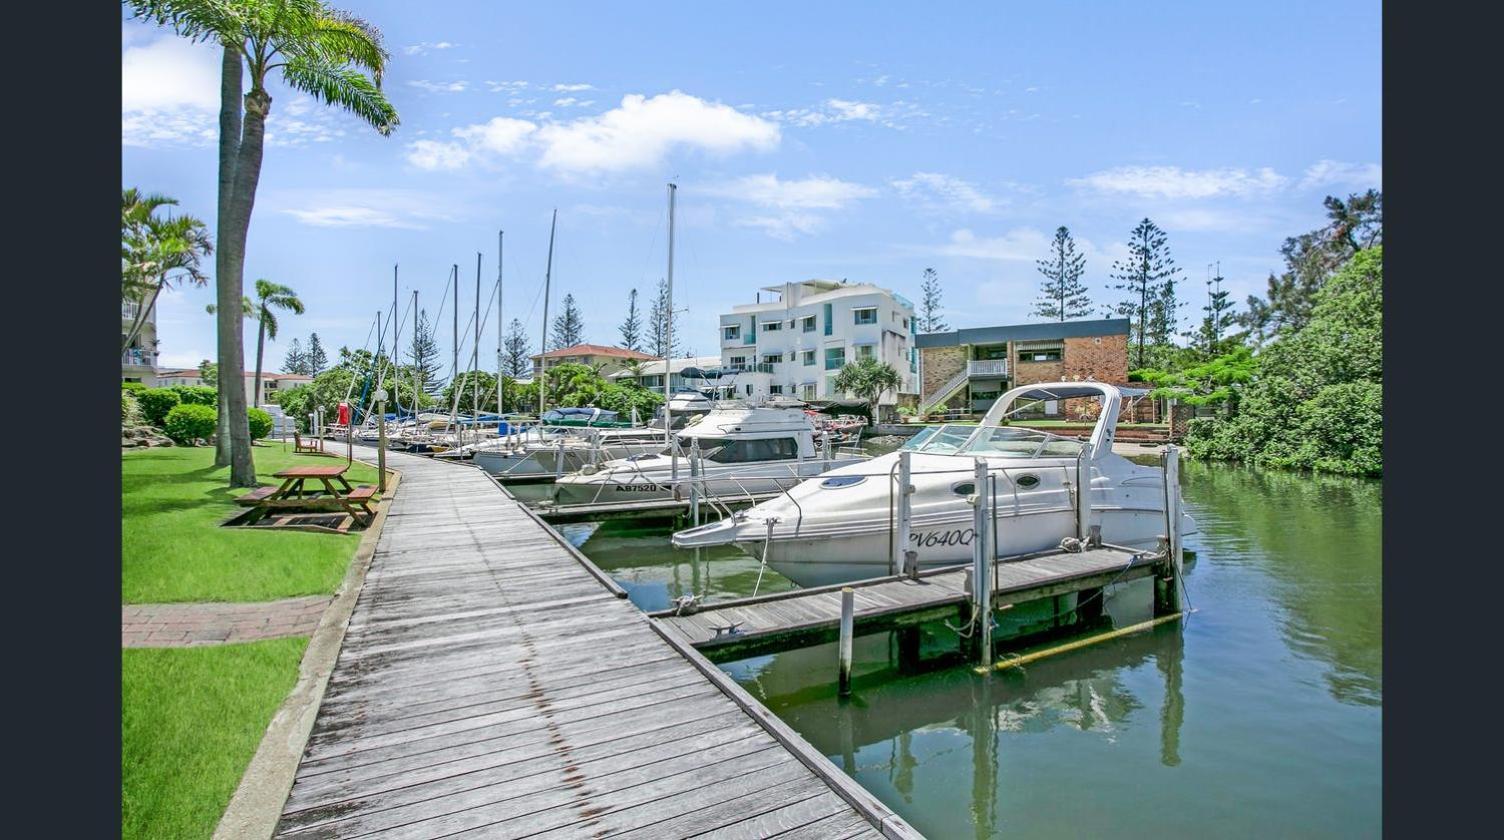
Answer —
312 447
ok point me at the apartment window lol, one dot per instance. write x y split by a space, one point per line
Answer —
772 326
829 321
835 358
773 358
867 315
807 391
731 332
866 351
737 361
775 389
807 357
808 323
654 381
1050 355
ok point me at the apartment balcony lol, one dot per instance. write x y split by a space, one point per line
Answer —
759 367
138 358
987 368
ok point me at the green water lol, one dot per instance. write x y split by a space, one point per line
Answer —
1259 716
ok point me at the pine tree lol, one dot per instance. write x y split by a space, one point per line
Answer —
1218 318
929 304
569 327
1164 314
1143 276
1063 296
659 321
316 359
423 354
295 361
515 352
631 328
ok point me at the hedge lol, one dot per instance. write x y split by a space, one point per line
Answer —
156 403
196 394
260 423
187 423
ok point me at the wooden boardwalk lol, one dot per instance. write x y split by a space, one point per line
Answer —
491 685
751 626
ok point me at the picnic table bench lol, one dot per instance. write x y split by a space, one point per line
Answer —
335 494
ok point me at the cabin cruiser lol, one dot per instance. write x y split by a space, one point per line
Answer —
736 449
568 449
839 527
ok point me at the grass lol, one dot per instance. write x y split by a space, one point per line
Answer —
172 548
191 720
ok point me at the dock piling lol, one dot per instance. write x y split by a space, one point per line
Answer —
981 569
848 624
1083 493
694 484
1167 585
901 552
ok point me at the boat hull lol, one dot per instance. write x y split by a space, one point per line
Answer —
736 482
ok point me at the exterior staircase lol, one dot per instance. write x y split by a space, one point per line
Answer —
944 392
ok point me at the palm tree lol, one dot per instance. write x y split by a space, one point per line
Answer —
154 252
867 379
321 51
268 295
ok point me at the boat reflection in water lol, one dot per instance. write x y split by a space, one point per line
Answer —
906 733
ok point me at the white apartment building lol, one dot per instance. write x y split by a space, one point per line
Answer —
795 343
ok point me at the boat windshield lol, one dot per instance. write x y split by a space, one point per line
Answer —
996 442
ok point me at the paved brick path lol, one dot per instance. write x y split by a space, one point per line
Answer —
182 625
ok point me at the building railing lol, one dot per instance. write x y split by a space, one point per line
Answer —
758 367
140 358
987 367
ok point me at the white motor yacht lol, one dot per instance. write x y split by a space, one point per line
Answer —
741 450
839 527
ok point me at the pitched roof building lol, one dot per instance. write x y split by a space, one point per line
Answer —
606 360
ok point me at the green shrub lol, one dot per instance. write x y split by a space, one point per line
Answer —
133 386
196 394
130 411
260 423
156 403
188 423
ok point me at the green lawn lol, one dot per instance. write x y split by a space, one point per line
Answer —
191 720
172 548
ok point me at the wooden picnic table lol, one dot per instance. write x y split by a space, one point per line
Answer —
336 493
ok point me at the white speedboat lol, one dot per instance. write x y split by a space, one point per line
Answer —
741 450
839 527
569 449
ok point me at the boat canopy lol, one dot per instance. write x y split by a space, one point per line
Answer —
1107 419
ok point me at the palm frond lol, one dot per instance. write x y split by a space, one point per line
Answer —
344 87
198 20
341 38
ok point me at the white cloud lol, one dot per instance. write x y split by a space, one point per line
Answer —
436 154
571 102
1023 244
1176 183
793 202
439 87
420 49
815 192
505 87
846 110
572 88
169 72
360 208
1325 173
642 131
936 191
499 135
830 111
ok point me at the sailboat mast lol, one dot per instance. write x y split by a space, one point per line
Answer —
548 273
668 327
475 350
396 335
417 369
500 233
454 367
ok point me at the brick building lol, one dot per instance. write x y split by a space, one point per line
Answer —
967 370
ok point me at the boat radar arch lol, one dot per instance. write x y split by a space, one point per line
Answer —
1107 418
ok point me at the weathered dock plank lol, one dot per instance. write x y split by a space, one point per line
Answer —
492 682
749 626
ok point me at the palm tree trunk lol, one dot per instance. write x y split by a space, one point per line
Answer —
242 201
227 289
260 343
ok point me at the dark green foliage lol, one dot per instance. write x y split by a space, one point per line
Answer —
1317 399
1062 296
208 372
661 323
156 403
316 359
133 386
1210 383
515 351
130 412
423 354
196 395
295 360
468 383
929 304
867 379
568 327
1147 277
189 423
260 423
631 327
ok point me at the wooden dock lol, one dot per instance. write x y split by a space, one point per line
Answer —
753 626
492 681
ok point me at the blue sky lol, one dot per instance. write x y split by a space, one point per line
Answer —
807 140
